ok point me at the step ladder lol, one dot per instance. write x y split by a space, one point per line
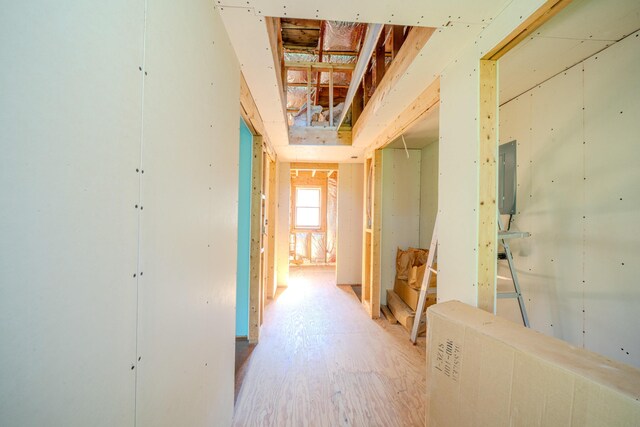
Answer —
503 237
424 287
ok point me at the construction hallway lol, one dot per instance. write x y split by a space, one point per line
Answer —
322 362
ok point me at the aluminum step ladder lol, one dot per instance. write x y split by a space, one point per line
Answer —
503 237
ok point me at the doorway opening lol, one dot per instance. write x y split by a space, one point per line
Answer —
313 215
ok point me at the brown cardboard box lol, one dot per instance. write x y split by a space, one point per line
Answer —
483 370
410 295
416 276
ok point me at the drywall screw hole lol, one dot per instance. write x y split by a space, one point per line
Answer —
136 206
137 170
141 273
140 68
139 358
134 274
132 367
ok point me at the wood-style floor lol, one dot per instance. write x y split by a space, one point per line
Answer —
322 362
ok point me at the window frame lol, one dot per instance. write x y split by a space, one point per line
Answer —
320 207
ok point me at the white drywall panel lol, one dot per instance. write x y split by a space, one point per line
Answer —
574 167
539 59
441 49
431 13
400 210
580 30
458 180
350 226
612 201
282 223
70 130
428 192
186 333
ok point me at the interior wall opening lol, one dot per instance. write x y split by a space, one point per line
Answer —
313 215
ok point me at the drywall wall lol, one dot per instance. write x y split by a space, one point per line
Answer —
400 210
349 234
189 223
70 129
459 154
578 194
428 192
117 286
282 224
244 231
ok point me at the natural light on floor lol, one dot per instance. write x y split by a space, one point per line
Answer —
295 292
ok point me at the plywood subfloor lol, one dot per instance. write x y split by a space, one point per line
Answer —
322 362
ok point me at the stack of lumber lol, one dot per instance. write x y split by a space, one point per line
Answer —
402 301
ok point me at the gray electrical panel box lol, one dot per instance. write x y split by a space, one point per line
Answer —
507 181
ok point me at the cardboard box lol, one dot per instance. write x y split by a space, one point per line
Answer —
410 295
483 370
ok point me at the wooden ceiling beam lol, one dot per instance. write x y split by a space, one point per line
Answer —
323 66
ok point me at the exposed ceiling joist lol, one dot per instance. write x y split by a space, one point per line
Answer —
318 66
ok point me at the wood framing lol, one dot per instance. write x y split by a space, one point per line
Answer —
318 66
547 11
376 235
488 171
314 166
380 66
255 280
251 115
318 136
271 230
419 108
415 41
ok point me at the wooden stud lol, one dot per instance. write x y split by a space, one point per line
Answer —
271 230
376 235
397 38
366 235
308 96
330 97
380 66
255 282
417 38
488 170
356 106
366 84
545 12
320 46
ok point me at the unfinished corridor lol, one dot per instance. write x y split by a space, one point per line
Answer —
322 362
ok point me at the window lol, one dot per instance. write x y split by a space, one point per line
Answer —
308 207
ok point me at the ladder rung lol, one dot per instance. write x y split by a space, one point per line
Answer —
503 235
507 295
